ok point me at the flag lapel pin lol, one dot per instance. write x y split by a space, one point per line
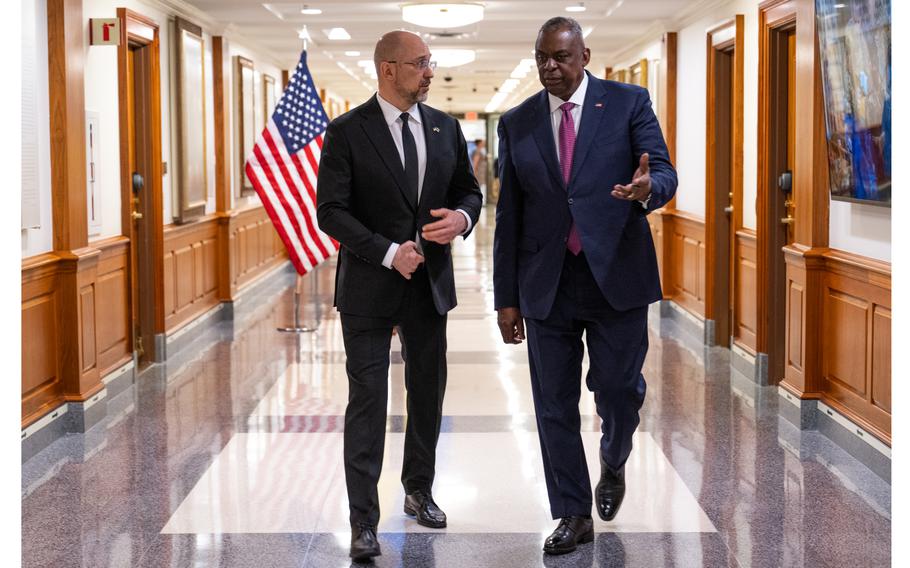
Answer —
598 105
435 129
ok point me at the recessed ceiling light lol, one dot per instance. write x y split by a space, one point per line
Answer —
310 11
352 53
580 7
444 16
337 34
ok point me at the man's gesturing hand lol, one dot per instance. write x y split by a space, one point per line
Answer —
640 187
407 259
511 325
451 224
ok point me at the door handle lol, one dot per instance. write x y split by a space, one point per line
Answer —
787 220
136 215
728 209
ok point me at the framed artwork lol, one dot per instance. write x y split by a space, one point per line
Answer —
191 186
246 120
638 74
618 75
854 41
268 98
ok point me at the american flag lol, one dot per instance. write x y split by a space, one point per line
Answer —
283 168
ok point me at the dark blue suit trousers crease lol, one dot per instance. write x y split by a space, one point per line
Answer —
617 344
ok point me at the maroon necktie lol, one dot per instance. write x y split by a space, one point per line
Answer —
566 150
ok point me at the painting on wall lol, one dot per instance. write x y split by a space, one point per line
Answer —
269 98
246 120
854 38
191 178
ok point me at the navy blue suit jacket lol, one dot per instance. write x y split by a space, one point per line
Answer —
536 206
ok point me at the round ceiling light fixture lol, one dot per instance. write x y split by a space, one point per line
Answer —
442 16
445 57
580 7
310 11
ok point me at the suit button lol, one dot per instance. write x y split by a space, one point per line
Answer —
571 201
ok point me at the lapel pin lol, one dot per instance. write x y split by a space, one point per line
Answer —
435 129
598 105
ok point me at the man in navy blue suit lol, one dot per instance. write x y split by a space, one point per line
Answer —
581 163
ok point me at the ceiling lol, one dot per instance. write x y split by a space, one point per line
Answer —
504 37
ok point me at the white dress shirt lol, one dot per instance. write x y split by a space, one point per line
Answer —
578 97
392 116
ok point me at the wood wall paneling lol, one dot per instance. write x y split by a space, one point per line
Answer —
189 273
113 312
856 327
42 388
745 310
257 247
66 72
684 274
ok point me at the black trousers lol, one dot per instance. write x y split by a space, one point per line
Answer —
367 341
617 344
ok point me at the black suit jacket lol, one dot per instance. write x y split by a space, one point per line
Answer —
363 203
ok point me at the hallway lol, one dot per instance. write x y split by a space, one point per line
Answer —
229 454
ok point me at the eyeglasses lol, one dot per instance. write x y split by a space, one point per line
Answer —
420 64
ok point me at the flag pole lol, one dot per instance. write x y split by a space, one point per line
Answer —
298 288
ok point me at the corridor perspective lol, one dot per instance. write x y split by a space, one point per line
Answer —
229 208
230 455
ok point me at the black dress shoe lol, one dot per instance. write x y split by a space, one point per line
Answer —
571 532
364 544
609 492
420 504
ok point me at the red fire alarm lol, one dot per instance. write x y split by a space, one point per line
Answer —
104 31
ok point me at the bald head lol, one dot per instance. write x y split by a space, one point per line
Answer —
403 68
392 46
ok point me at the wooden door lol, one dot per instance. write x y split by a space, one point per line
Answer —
138 59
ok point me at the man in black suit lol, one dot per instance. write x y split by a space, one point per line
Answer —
581 163
395 188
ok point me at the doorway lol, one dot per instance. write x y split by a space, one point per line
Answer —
776 202
140 174
723 176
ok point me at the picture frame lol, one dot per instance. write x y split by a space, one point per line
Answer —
854 45
244 73
190 144
269 97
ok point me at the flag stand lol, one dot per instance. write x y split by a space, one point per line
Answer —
297 293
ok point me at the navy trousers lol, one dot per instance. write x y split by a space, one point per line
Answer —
617 344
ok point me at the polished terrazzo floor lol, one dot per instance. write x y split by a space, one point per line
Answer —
230 455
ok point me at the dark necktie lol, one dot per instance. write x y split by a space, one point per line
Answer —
410 156
566 151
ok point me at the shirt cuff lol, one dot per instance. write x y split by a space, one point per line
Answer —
467 218
390 255
645 202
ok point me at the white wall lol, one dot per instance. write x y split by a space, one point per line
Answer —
34 36
101 96
858 228
692 103
861 229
